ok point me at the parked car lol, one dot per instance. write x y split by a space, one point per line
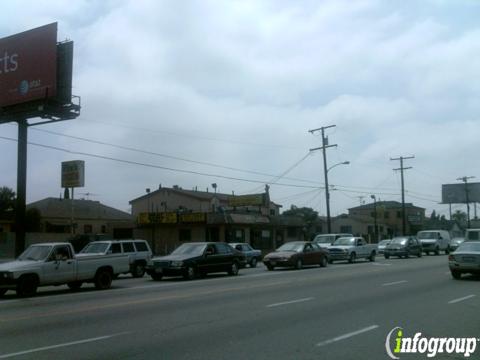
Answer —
197 259
455 242
466 259
138 251
403 246
382 245
296 254
434 241
325 240
56 264
252 256
352 248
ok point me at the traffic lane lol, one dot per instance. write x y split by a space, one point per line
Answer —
224 299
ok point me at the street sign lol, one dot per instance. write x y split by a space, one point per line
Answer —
73 174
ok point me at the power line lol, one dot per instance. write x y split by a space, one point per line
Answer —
156 166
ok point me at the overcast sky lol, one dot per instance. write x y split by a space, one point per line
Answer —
240 83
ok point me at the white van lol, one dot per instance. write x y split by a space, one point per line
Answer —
434 241
472 235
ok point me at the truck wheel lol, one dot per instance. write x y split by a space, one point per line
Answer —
407 255
138 270
323 261
27 286
372 256
253 263
74 285
103 280
419 254
233 269
2 292
351 259
155 276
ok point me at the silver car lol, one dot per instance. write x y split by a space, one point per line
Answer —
455 243
465 260
382 245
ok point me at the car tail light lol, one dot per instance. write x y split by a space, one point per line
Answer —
451 258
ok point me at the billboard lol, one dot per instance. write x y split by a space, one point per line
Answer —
28 65
73 174
247 200
456 194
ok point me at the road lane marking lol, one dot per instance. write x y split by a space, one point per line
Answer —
395 283
348 335
45 348
381 264
290 302
461 299
71 311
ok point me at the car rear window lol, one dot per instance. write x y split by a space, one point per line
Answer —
141 246
116 248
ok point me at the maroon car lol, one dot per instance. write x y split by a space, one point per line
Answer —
296 254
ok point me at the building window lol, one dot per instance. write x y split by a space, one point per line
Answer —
272 212
346 229
399 214
386 215
185 235
372 214
87 229
239 235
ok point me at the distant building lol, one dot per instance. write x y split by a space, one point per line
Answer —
168 217
390 214
89 217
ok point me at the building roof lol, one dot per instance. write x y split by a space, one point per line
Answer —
83 209
385 204
200 195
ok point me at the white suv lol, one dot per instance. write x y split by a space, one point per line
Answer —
139 252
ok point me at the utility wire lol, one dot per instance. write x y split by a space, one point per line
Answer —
156 166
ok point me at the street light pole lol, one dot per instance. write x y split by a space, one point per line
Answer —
375 216
327 192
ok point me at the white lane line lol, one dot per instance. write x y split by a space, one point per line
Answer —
395 283
348 335
45 348
461 299
290 302
381 264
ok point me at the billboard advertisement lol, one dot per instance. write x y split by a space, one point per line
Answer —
73 174
247 200
456 193
28 65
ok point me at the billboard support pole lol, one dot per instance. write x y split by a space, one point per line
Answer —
21 187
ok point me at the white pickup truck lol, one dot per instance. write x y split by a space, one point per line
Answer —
56 264
352 248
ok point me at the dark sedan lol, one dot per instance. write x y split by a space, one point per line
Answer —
296 254
197 259
403 247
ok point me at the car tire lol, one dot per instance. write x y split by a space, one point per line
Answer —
419 254
323 261
74 285
103 280
427 253
138 270
190 273
299 264
270 267
253 262
386 256
156 276
2 292
27 286
372 256
352 258
233 269
457 275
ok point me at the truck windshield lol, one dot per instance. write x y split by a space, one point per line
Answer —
427 235
344 241
95 248
193 249
37 253
324 239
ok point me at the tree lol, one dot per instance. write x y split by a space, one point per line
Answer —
460 217
7 202
308 215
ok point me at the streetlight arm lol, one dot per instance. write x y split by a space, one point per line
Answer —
340 163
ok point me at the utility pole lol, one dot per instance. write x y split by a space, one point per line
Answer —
465 180
325 171
402 168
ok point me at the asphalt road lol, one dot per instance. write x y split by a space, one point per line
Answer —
344 311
